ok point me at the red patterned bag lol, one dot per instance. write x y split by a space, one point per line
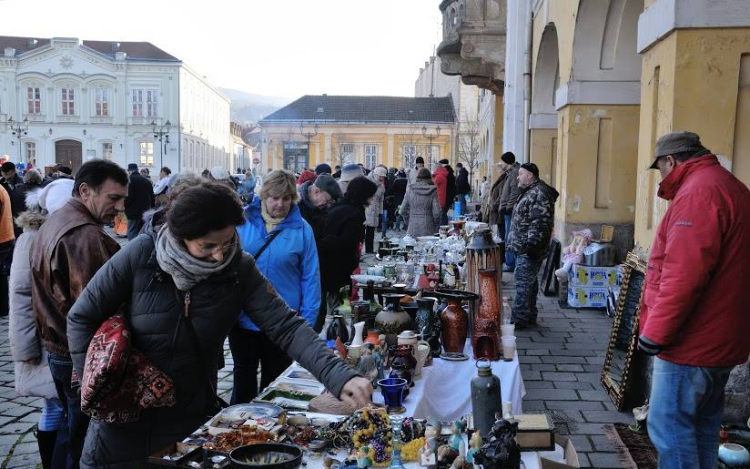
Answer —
118 381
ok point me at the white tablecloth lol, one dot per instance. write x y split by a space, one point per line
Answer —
444 390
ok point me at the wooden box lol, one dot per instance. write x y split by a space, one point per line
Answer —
536 432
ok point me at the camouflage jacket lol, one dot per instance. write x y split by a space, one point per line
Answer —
533 217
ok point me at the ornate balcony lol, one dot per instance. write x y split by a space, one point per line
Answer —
473 43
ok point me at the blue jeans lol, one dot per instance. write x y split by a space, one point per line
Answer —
686 406
73 431
510 257
384 221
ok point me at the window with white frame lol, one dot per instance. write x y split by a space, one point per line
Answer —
107 151
371 156
34 100
137 103
68 96
347 152
151 103
102 102
147 153
30 152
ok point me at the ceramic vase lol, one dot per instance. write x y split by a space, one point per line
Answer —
421 352
357 339
455 326
485 339
428 324
338 329
392 320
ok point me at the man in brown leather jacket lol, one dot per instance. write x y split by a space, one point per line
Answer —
66 253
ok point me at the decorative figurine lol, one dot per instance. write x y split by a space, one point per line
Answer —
428 453
363 457
456 441
475 445
502 451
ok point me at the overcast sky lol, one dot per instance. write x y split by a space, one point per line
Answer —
284 48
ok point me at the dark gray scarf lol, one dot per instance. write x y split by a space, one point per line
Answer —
186 270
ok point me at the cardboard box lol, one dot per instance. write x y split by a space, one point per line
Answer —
581 297
588 276
571 456
535 432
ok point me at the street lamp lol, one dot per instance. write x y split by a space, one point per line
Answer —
19 129
162 135
430 138
309 136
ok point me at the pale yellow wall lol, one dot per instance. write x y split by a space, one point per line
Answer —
543 150
595 170
697 88
563 14
358 135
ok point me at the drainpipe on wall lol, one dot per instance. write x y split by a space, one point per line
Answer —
527 83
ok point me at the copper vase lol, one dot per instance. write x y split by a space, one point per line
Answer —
455 326
485 339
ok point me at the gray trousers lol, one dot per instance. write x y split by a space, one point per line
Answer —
527 288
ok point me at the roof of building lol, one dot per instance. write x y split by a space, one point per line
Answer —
134 50
365 109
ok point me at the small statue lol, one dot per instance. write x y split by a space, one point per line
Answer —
363 457
428 453
456 441
378 356
460 463
476 445
502 451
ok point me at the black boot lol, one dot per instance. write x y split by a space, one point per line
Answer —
46 441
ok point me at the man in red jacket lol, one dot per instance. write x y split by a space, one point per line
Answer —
694 314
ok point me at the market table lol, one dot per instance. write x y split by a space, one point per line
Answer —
444 390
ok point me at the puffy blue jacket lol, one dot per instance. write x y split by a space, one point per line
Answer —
290 262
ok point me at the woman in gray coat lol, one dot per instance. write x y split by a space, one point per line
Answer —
184 288
31 370
421 208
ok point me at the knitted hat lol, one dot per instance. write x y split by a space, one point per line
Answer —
419 160
350 171
323 168
132 167
532 168
508 157
444 161
380 171
326 183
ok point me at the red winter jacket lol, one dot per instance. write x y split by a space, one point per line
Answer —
440 176
697 296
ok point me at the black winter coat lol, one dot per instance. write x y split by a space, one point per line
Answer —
450 190
158 327
462 182
140 197
399 191
338 248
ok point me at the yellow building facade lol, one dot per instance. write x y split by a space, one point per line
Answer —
369 130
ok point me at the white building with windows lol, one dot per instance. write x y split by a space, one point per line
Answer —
66 101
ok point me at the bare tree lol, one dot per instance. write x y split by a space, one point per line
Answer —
468 146
337 156
410 150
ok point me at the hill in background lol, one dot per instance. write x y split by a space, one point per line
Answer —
248 108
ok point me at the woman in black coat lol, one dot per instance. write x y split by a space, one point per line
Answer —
184 288
343 232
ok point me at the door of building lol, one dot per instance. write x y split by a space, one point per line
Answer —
69 153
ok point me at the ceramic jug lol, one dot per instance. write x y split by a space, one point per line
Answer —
486 398
392 320
455 325
357 339
421 352
338 329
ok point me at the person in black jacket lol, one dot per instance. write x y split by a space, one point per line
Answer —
181 291
463 187
339 246
140 199
399 191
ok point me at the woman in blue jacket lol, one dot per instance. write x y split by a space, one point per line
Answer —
284 249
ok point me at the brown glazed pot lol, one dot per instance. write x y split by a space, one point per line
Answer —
485 339
455 326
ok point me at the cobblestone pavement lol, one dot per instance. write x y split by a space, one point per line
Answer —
561 362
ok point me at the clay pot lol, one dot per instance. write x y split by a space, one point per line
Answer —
455 326
392 320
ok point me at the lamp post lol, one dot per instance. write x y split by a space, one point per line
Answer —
431 138
19 129
161 133
309 136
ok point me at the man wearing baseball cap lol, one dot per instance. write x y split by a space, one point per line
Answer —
694 310
529 237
